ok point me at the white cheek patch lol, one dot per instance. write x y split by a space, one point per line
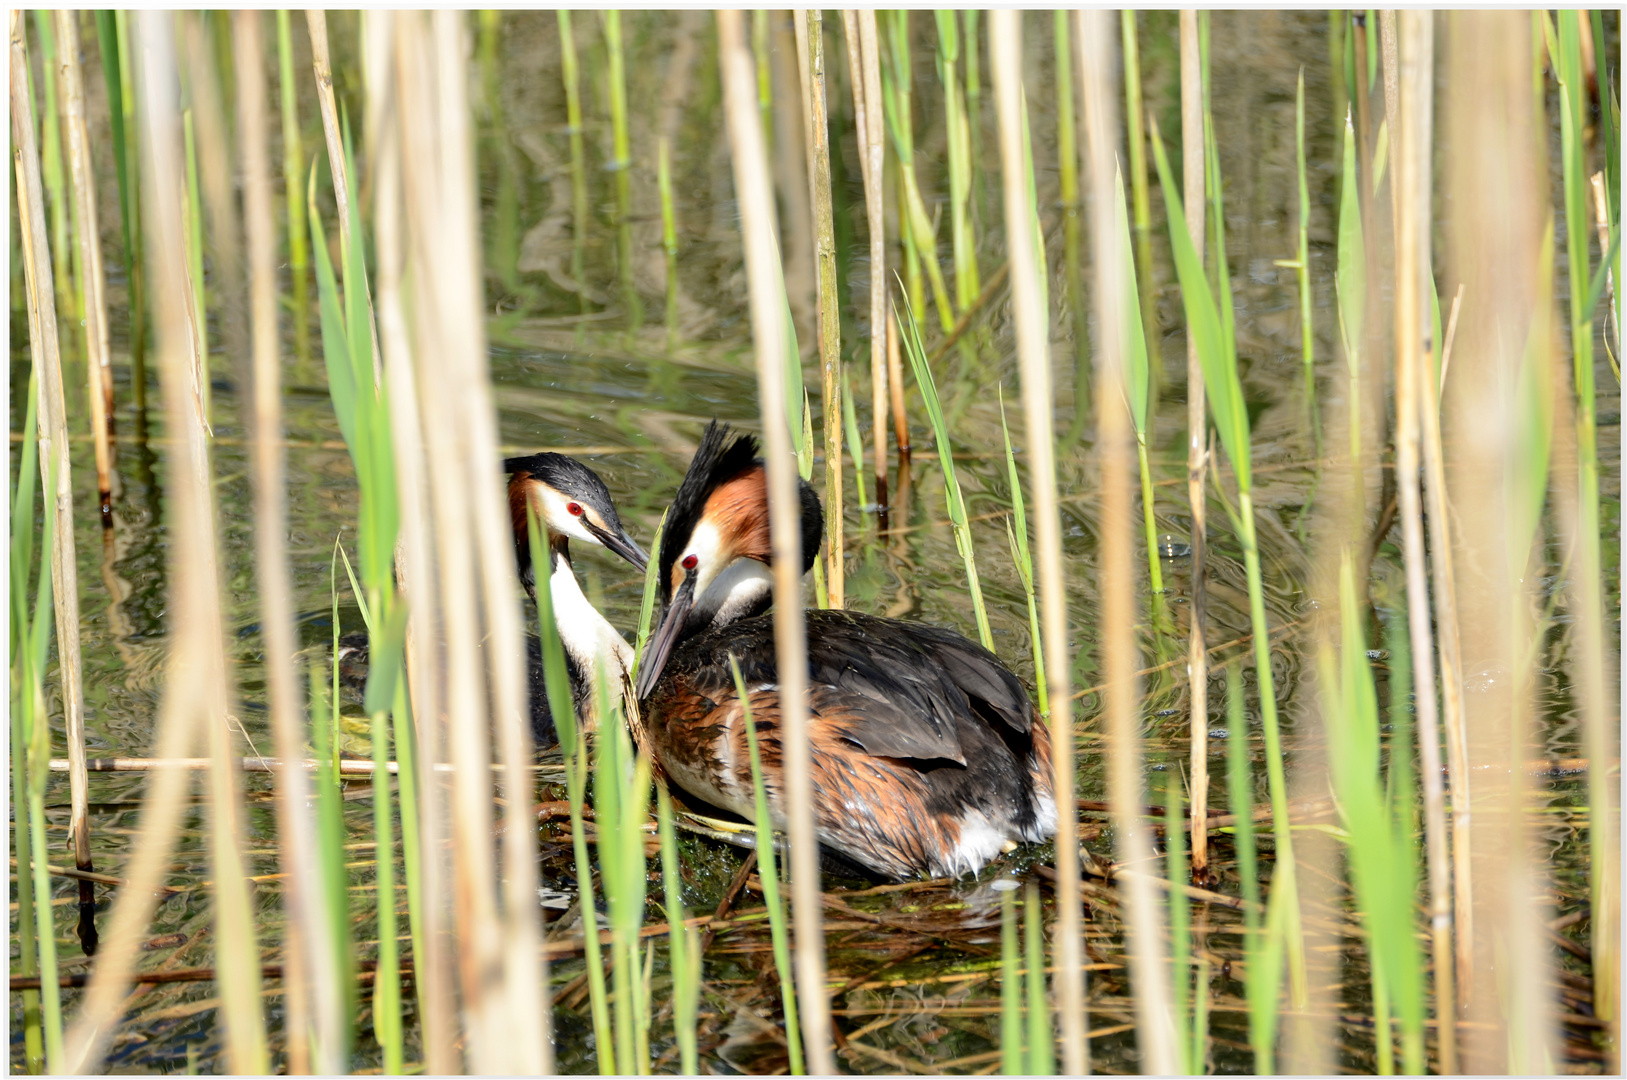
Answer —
706 546
560 519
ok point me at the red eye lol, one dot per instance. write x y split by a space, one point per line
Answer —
575 509
690 562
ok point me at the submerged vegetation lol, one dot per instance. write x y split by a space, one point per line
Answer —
1379 833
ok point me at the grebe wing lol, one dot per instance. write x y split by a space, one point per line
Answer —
925 668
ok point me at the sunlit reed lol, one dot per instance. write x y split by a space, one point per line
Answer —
294 825
1156 1019
769 324
1028 272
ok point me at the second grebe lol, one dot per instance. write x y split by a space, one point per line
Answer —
928 757
573 504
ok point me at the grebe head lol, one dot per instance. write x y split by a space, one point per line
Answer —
716 552
572 502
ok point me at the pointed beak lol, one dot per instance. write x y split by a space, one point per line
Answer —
665 637
620 543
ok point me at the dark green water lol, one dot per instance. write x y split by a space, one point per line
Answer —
631 404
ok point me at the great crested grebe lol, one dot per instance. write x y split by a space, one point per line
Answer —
573 504
928 757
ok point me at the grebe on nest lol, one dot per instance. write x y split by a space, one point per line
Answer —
927 756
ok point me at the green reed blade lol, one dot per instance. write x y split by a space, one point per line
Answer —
1067 157
622 166
1203 318
1401 784
682 941
768 873
911 335
579 183
330 842
621 791
556 683
669 234
36 745
293 165
25 706
914 219
192 230
1141 198
957 131
646 610
1017 536
1382 860
1013 1062
974 107
1180 918
1217 351
1140 381
22 510
1041 1036
27 930
850 421
107 43
1351 282
387 981
1591 662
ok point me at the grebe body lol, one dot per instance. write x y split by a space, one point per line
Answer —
927 756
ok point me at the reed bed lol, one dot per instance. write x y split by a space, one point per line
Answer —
1381 771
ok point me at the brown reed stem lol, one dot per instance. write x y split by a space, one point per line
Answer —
1033 351
309 953
864 67
1155 1020
1197 425
1410 134
46 358
816 126
99 360
790 633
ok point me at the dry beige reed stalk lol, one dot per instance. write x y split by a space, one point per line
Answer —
816 125
1155 1019
53 432
757 226
99 366
415 557
52 435
1411 136
1494 230
864 67
1197 426
310 974
1034 360
499 931
196 692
